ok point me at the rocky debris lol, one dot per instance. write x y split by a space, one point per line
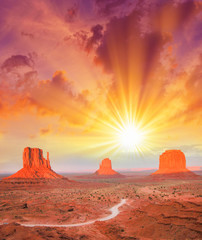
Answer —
167 220
106 168
35 165
25 206
173 163
16 231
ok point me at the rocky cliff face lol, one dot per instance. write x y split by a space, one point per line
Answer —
106 168
172 161
35 165
33 158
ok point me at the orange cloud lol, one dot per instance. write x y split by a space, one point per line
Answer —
54 97
45 131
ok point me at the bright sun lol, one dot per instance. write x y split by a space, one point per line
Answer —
130 138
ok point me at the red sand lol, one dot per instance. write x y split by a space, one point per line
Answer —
154 210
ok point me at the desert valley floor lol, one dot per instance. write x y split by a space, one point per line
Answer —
154 209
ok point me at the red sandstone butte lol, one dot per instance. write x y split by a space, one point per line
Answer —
35 165
106 168
172 161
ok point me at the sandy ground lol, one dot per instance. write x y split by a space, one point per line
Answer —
169 209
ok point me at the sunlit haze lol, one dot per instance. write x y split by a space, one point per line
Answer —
131 138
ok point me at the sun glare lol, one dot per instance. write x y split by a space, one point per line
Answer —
131 138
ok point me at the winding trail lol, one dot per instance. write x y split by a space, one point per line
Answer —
114 212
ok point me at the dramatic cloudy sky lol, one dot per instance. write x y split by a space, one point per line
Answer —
75 73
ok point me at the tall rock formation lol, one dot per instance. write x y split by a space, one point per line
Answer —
35 165
172 162
106 168
33 158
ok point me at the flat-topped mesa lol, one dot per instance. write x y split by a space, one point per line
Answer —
35 165
106 168
172 161
33 158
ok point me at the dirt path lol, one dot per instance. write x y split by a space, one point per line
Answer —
114 212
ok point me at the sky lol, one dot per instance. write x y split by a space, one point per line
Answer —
90 79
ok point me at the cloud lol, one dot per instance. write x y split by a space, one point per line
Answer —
26 34
130 33
71 14
193 87
193 148
116 29
32 136
80 38
17 73
45 131
131 58
52 97
95 38
184 92
87 40
57 97
17 61
108 8
59 80
165 16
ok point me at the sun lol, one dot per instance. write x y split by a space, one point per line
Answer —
130 138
